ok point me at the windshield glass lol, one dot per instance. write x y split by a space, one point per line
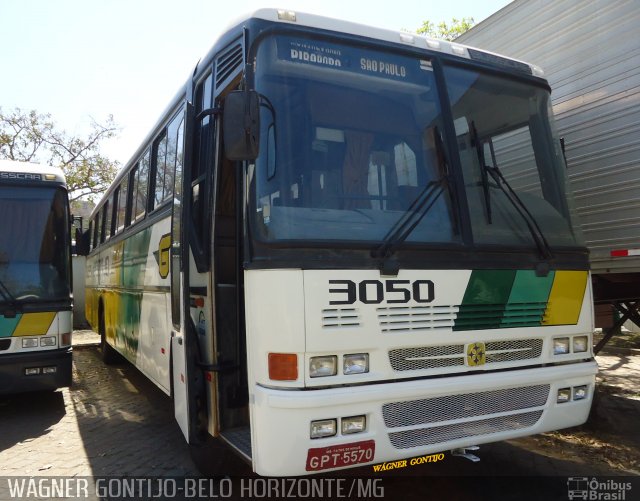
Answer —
506 127
349 139
34 243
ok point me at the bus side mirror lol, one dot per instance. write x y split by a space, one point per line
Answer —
241 125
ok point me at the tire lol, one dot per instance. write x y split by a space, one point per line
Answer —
108 354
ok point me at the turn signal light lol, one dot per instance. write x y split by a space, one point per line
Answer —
283 366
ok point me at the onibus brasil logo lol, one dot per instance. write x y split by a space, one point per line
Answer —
593 489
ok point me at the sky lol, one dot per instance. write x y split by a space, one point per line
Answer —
83 60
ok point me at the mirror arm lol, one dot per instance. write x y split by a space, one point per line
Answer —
208 113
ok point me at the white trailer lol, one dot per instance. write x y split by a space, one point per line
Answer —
590 53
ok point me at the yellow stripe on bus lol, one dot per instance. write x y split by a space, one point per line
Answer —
565 299
34 324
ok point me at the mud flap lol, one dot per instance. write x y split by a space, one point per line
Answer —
180 386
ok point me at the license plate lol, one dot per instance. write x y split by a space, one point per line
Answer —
335 456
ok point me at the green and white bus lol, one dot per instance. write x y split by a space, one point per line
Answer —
344 245
35 278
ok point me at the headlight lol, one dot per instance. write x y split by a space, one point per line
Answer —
324 428
580 392
323 366
47 341
580 344
560 345
355 424
356 364
30 343
564 395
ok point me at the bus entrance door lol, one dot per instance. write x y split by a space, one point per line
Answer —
230 344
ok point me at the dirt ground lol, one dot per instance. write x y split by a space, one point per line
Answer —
611 436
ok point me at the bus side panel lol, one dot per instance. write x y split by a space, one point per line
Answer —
131 280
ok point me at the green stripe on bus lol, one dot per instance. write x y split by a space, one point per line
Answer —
485 299
504 298
8 325
528 299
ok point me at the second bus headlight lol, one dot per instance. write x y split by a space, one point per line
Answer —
323 366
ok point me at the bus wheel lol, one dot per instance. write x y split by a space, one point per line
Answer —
108 354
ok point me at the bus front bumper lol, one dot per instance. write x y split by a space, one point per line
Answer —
14 368
411 419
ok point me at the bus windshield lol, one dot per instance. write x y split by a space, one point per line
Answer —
34 244
369 142
506 137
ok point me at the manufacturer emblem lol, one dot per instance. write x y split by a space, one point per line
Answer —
476 354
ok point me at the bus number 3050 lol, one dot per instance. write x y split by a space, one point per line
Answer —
375 291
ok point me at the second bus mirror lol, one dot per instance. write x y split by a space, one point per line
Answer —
241 125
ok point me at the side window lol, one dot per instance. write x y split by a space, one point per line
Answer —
94 235
200 176
104 232
141 191
109 215
170 163
122 205
133 191
90 234
160 159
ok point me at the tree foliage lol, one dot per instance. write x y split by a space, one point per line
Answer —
446 31
30 136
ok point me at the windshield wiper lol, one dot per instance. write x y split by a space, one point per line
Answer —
483 172
9 298
514 199
421 205
532 224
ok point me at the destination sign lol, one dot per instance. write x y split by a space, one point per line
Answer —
352 59
21 176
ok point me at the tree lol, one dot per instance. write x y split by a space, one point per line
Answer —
30 136
446 31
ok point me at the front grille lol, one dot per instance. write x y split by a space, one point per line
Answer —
439 434
340 317
5 344
517 349
433 357
427 357
397 319
468 405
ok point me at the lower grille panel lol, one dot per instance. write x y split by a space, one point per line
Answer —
428 436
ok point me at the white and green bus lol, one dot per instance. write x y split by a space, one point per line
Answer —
35 278
344 245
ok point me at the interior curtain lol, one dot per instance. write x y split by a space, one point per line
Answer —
355 169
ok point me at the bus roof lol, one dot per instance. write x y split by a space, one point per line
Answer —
402 37
296 18
46 172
